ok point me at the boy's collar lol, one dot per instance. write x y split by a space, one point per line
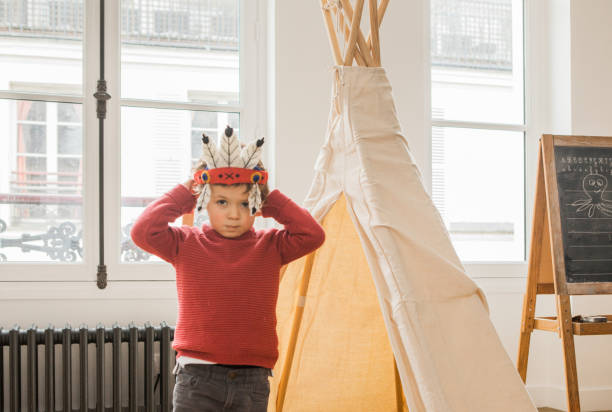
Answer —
208 230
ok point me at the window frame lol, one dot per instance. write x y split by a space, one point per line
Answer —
252 74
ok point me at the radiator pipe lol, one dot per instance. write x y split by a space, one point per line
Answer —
15 369
32 369
67 368
83 345
49 370
100 369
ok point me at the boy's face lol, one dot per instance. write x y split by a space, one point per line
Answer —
228 210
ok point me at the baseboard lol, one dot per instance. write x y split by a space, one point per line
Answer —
591 399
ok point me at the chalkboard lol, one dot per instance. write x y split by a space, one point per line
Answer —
584 182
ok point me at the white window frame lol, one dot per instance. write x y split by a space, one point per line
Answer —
511 269
252 109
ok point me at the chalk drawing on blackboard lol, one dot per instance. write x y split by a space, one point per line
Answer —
594 186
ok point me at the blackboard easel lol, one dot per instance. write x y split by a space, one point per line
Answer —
571 243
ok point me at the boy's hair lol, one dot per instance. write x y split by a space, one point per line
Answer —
263 188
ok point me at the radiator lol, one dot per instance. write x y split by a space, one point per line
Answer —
24 375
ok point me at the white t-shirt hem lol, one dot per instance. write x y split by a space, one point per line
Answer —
185 360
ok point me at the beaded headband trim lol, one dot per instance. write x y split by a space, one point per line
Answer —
230 176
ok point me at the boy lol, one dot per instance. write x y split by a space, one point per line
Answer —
227 275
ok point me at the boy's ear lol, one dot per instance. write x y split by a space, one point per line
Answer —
258 213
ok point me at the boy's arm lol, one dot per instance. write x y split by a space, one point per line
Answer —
301 235
151 230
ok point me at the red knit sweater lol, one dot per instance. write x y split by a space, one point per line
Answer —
227 288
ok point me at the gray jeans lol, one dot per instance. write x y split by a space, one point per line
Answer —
221 388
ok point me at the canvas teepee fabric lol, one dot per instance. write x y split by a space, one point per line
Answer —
386 285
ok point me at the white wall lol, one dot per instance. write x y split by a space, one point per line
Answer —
591 67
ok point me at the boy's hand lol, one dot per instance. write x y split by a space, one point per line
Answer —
189 184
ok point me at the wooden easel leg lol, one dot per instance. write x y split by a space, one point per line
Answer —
529 301
536 254
569 352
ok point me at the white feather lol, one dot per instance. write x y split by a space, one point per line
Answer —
254 199
203 199
209 151
229 151
250 155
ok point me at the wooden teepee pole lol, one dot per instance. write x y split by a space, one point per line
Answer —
331 33
355 30
187 219
399 392
363 45
374 32
347 32
297 320
382 8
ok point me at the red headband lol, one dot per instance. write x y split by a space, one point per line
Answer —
230 175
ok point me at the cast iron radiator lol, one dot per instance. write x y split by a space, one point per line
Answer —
155 341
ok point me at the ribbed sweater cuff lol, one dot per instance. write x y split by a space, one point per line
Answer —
274 204
183 198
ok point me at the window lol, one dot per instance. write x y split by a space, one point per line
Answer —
41 143
48 162
182 69
478 134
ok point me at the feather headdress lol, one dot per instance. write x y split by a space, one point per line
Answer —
228 164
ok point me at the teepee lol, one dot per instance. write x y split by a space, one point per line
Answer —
382 317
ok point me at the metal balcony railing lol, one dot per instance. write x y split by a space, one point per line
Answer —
31 191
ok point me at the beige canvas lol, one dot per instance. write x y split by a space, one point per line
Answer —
387 284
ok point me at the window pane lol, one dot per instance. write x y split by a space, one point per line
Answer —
36 111
478 187
69 173
158 149
40 190
198 40
69 113
213 125
31 138
233 119
69 140
477 60
43 40
35 164
204 120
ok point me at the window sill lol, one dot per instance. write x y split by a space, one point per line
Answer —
61 290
